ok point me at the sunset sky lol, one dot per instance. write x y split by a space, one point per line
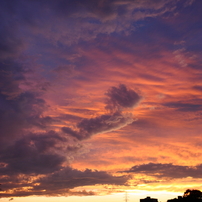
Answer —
99 98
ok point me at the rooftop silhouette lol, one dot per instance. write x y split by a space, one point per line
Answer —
149 199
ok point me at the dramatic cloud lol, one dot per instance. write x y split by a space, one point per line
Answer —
69 178
122 97
47 152
102 124
20 113
119 99
33 154
167 170
61 182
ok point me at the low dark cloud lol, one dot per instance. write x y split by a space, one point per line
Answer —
33 154
101 124
198 88
121 97
69 178
167 170
60 182
20 113
184 107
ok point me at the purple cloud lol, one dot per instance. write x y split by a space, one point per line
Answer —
185 107
101 124
121 97
118 99
33 154
160 170
69 178
21 113
60 182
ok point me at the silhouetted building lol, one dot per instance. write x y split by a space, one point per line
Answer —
149 199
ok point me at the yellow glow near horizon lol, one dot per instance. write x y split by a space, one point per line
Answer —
132 196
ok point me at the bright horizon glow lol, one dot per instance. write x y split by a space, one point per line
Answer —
133 196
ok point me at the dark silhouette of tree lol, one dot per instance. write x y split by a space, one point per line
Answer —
192 194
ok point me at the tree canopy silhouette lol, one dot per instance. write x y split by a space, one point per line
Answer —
192 193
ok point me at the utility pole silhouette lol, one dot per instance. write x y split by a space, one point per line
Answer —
126 197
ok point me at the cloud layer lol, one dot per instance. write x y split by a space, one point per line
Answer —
160 170
61 182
